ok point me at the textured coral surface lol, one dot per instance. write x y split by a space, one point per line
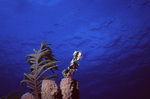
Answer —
66 88
69 89
113 36
27 96
49 89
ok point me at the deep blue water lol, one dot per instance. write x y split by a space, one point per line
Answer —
113 35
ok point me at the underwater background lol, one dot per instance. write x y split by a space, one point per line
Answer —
113 36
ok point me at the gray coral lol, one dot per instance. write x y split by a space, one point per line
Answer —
69 89
27 96
66 88
49 89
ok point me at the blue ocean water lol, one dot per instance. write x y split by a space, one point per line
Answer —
113 36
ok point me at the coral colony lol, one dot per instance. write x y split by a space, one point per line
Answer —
43 87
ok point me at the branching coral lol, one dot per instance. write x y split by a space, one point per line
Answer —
41 62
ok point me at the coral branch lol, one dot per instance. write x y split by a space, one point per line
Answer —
40 62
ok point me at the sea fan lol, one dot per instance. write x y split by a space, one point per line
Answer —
41 62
